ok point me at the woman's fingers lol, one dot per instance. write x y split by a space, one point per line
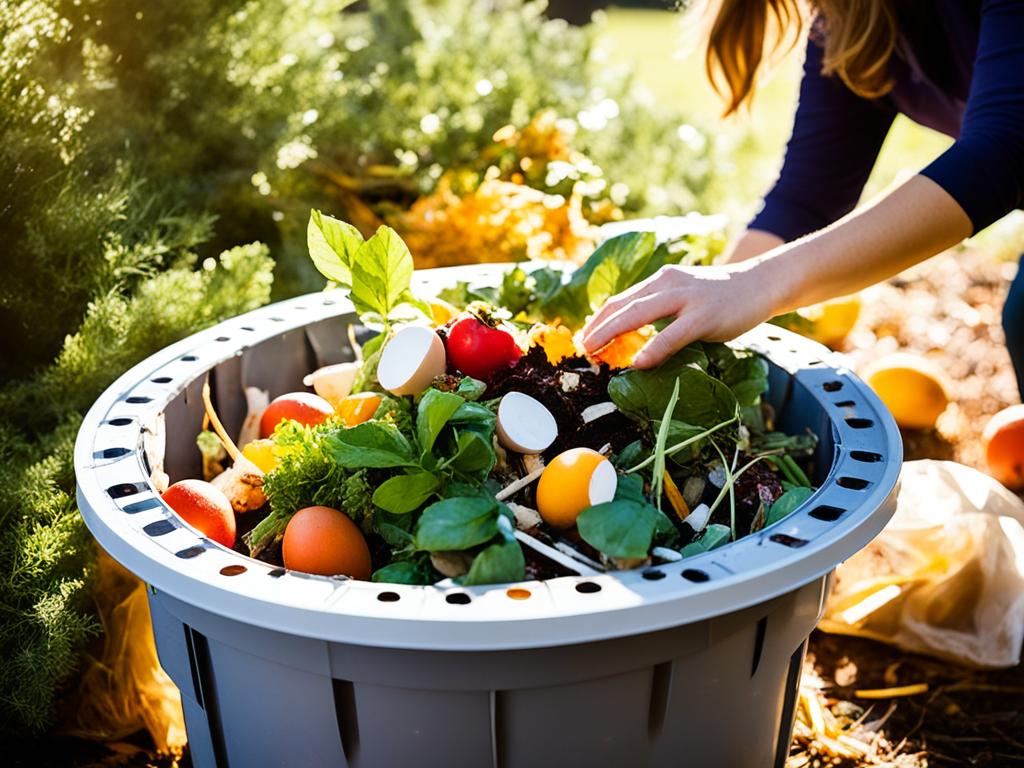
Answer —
617 302
630 317
667 342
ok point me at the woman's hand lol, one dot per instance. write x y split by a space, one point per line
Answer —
714 303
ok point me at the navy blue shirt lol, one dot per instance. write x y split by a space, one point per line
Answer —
958 68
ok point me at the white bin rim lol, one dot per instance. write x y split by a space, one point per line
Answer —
125 514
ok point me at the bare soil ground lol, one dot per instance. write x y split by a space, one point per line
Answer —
949 311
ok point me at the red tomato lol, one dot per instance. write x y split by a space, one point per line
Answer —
325 541
204 507
478 350
303 407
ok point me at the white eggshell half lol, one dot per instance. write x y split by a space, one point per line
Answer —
333 382
524 424
412 359
603 483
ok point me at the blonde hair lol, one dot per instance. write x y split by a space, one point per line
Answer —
859 38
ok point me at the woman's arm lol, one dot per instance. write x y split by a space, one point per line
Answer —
752 243
913 222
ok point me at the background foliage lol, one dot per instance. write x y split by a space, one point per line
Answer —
146 147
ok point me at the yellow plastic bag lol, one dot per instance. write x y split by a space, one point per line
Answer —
946 576
126 689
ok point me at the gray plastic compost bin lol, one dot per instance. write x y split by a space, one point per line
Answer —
694 664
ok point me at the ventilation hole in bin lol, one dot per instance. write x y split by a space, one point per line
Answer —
189 552
233 570
832 386
141 506
248 328
138 400
159 528
111 453
857 423
774 338
845 404
588 587
223 338
458 598
826 513
816 362
277 573
853 483
695 575
653 574
389 597
277 319
518 593
329 302
788 541
868 457
162 380
120 421
189 358
121 490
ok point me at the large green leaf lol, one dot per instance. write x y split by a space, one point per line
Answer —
500 562
619 528
624 260
332 246
433 412
744 372
787 504
703 400
402 494
372 444
381 273
457 523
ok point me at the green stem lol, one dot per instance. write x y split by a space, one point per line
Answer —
674 449
794 468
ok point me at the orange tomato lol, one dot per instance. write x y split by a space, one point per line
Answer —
303 407
1004 446
355 409
325 541
205 508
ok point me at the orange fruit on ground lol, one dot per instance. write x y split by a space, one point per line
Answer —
325 541
205 508
621 351
574 480
911 387
1003 439
304 407
833 320
355 409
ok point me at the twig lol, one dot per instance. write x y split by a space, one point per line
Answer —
218 428
515 487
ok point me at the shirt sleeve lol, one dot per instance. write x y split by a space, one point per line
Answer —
835 141
984 169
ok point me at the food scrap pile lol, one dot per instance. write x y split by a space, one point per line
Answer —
474 440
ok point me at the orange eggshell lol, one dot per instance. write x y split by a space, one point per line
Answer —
1003 439
205 508
303 407
565 488
325 541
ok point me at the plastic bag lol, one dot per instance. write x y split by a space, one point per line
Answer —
126 689
946 576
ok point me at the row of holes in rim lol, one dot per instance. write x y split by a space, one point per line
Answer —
856 422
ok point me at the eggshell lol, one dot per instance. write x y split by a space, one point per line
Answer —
333 382
411 360
574 480
603 483
524 424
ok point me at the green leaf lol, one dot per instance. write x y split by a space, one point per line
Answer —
402 494
371 444
714 536
624 260
629 455
744 372
619 528
332 246
381 273
499 563
680 431
415 572
787 504
703 400
474 455
457 523
433 412
471 389
660 442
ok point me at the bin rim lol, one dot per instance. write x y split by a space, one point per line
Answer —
124 512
